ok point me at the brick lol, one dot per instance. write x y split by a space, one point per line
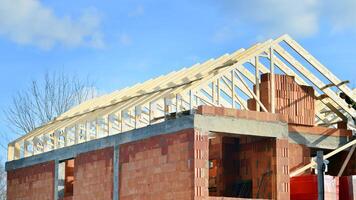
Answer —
161 167
93 174
33 182
229 112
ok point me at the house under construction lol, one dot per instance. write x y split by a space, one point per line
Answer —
246 125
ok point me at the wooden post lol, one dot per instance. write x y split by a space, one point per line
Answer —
65 137
55 139
122 121
108 125
10 152
177 104
137 116
86 134
97 128
218 92
191 101
251 92
232 89
167 104
26 145
76 134
150 112
272 92
257 83
213 96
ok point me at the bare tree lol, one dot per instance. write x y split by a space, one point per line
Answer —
2 182
45 100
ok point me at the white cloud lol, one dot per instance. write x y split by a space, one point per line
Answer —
275 17
29 22
340 14
302 18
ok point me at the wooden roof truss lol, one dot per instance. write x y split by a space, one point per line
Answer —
226 81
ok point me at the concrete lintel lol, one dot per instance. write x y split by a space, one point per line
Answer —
240 126
166 127
317 141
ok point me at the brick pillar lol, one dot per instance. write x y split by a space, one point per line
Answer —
201 168
281 186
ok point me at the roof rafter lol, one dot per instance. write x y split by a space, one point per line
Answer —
214 82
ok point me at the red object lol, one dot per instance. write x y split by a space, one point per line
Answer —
306 187
347 188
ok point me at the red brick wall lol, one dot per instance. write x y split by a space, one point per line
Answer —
160 167
93 174
201 167
245 114
34 182
281 162
295 101
299 156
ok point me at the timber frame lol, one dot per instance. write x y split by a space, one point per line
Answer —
225 81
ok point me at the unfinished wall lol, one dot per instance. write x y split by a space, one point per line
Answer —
34 182
281 160
161 167
93 174
296 101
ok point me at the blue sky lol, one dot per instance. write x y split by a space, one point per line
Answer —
120 42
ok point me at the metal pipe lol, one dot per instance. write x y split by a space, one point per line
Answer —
321 169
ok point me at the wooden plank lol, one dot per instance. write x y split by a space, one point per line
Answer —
181 82
315 80
272 97
312 164
251 92
257 83
318 66
346 161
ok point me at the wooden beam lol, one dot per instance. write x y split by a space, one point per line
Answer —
272 99
251 92
346 161
232 89
312 164
257 84
182 82
314 79
318 66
